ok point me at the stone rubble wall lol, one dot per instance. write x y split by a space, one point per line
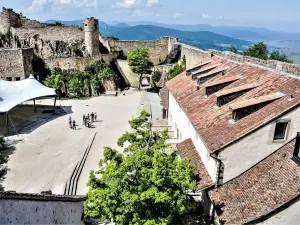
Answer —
78 63
158 50
51 41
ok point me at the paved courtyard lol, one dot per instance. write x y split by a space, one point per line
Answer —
45 158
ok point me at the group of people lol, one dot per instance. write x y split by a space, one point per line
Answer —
72 123
89 118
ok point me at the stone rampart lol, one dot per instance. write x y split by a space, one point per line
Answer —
18 208
78 63
158 50
51 41
195 55
15 63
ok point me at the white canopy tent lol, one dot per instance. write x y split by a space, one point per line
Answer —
13 93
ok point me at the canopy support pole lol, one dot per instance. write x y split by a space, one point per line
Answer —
34 105
54 104
7 128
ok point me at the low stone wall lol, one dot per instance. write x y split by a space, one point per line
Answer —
192 55
158 50
19 208
15 63
131 79
79 63
195 55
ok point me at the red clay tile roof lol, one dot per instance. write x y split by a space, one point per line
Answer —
236 89
255 101
201 64
164 96
213 124
222 81
206 68
263 188
188 151
219 70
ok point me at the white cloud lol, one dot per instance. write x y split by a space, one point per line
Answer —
152 2
127 4
204 16
141 13
177 15
38 5
41 5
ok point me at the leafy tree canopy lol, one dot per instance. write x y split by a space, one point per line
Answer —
114 38
143 185
54 81
259 50
139 61
177 69
233 49
276 55
156 76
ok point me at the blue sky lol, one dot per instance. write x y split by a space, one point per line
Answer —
274 14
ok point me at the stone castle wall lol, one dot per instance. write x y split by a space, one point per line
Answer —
195 55
79 64
16 63
158 50
51 41
18 208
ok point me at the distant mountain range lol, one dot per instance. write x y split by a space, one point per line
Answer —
200 39
203 36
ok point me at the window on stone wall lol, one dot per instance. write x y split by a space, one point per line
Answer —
18 78
9 78
281 130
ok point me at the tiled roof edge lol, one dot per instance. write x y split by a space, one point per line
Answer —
258 127
274 211
259 162
41 197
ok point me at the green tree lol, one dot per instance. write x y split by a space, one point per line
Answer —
99 72
233 49
259 50
76 84
139 62
143 185
113 37
177 69
276 55
3 160
156 76
54 81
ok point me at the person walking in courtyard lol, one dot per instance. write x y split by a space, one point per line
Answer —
95 116
92 117
74 125
70 122
83 119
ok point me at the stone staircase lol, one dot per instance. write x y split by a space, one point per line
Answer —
161 125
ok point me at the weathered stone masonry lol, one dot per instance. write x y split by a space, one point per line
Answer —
15 63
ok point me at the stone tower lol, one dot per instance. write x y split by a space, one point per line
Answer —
91 32
8 19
